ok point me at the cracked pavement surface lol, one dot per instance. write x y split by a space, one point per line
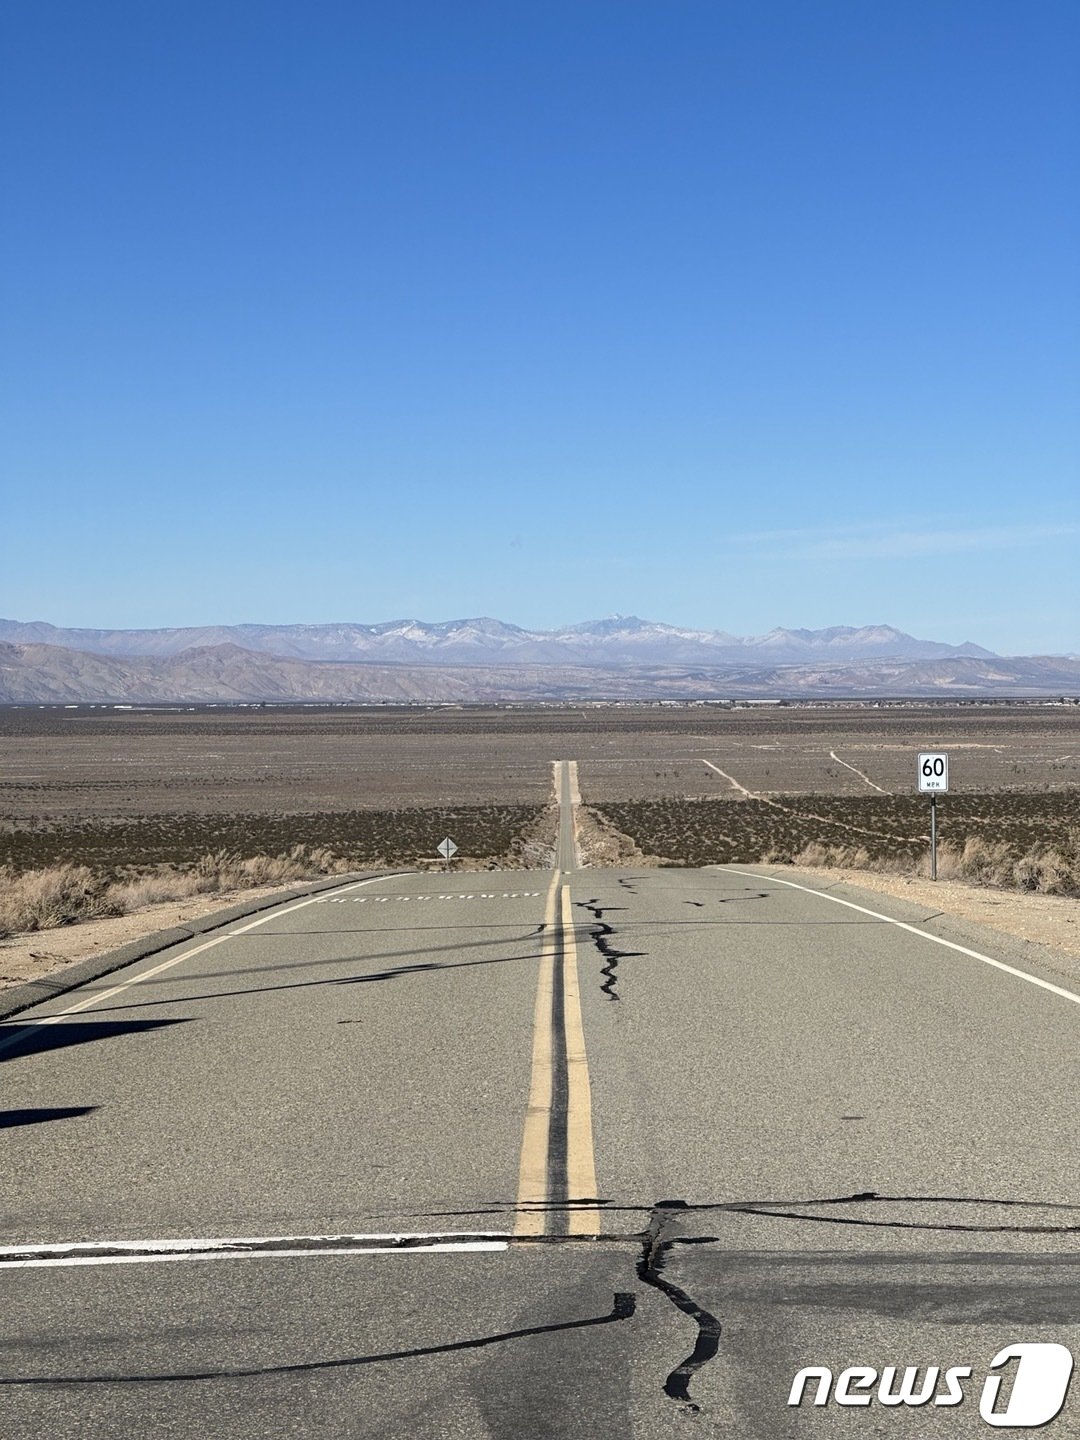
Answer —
818 1140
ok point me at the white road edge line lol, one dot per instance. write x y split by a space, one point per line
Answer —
127 1252
913 930
26 1018
400 1238
437 1247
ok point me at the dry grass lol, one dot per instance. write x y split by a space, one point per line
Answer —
66 894
1042 869
40 899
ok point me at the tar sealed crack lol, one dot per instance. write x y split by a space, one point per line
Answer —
623 1308
653 1252
601 934
650 1267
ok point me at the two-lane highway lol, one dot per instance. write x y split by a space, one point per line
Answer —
575 1153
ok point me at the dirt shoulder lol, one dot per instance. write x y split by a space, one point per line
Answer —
1050 920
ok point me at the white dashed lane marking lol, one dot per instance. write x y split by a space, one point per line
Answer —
393 899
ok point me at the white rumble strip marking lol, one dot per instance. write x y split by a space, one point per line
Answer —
395 899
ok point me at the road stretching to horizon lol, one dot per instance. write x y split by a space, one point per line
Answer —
569 1153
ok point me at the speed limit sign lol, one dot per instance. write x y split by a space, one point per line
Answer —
933 771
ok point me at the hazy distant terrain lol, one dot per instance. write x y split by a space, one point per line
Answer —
227 672
485 660
617 640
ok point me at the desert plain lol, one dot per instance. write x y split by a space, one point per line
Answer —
123 789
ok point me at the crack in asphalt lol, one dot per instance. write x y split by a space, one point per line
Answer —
769 1209
650 1267
623 1308
601 934
654 1250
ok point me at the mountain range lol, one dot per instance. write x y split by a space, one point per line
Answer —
463 661
617 640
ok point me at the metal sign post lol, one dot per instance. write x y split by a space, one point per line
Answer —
933 778
447 849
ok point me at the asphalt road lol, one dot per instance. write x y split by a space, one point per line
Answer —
604 1153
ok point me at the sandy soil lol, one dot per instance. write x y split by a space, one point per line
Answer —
1051 920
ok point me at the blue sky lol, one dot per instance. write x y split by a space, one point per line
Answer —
727 314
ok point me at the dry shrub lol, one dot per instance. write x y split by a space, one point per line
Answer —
226 870
130 895
229 870
844 857
982 862
1050 871
41 899
65 894
1044 869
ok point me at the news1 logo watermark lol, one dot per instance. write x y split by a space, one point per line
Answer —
1040 1382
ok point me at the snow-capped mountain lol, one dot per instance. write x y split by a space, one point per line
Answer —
613 641
867 642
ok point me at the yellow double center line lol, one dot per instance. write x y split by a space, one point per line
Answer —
557 1177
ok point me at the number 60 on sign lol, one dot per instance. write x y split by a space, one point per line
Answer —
933 771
